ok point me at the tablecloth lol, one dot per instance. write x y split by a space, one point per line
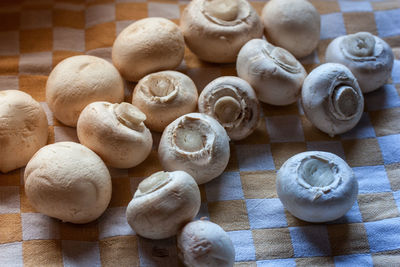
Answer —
36 35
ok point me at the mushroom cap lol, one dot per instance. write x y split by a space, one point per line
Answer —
163 204
68 181
316 186
233 103
148 45
203 243
332 99
293 25
78 81
367 56
116 132
197 144
23 129
164 96
215 30
273 72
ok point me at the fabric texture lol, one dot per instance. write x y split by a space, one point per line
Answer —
36 35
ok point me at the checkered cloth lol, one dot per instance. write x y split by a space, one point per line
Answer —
36 35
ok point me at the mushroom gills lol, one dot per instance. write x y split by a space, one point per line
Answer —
189 140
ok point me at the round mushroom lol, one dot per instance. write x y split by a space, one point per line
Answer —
332 99
203 243
368 57
23 129
273 72
68 181
197 144
316 186
78 81
233 103
116 132
293 25
163 204
164 96
215 30
148 45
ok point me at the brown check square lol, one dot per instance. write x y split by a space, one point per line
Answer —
119 251
36 40
378 206
101 35
362 152
272 243
230 215
79 232
131 11
121 192
386 121
42 253
315 261
281 152
393 174
259 184
348 239
10 228
34 85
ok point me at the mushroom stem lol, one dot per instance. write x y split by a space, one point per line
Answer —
283 58
361 44
227 109
345 102
189 140
226 10
317 172
153 183
130 116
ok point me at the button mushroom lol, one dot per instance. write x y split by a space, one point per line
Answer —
233 103
332 99
197 144
316 186
116 132
293 25
69 182
215 30
163 203
368 57
148 45
23 129
165 96
77 81
273 72
203 243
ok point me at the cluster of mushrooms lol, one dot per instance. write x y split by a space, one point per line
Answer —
71 182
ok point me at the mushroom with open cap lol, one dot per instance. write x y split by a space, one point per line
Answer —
293 25
332 99
164 96
273 72
23 129
233 103
203 243
163 203
197 144
116 132
215 30
316 186
368 57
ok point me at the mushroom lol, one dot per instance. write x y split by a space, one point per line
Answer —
316 186
164 96
68 181
368 57
273 72
163 203
78 81
203 243
215 30
116 133
233 103
148 45
293 25
23 129
197 144
332 99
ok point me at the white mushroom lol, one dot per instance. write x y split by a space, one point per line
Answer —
163 204
203 243
197 144
368 57
148 45
78 81
233 103
332 99
293 25
23 129
273 72
116 132
164 96
69 182
316 186
215 30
